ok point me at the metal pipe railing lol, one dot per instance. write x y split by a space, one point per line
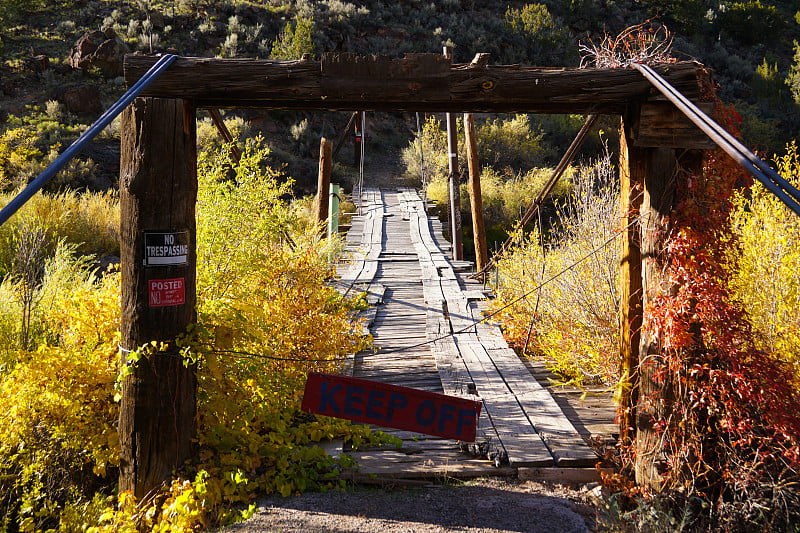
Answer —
105 119
773 181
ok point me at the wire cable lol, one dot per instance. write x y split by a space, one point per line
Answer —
773 181
379 351
73 149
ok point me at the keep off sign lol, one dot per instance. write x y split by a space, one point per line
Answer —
386 405
166 292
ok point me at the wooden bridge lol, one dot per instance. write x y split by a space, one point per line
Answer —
158 170
424 321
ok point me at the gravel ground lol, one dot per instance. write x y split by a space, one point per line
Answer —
486 505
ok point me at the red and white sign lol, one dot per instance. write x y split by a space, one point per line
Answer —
391 406
167 292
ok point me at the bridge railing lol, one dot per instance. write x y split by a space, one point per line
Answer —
105 119
760 170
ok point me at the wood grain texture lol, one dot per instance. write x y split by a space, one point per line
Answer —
631 174
158 190
659 177
336 83
324 179
475 198
662 125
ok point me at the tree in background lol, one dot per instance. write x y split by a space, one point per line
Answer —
544 38
292 44
793 80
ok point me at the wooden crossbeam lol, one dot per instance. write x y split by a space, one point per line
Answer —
417 82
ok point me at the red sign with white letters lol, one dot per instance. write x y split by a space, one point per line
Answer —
166 292
387 405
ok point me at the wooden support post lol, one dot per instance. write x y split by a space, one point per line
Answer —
631 171
358 139
648 178
475 199
325 157
454 186
158 191
663 168
660 166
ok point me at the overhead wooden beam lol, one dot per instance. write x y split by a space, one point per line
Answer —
417 82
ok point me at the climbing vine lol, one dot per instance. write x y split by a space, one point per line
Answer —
731 434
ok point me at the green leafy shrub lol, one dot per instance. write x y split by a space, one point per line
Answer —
793 79
209 138
293 43
543 37
512 143
751 22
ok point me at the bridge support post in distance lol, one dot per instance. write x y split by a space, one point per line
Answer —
653 159
358 139
158 192
323 184
475 198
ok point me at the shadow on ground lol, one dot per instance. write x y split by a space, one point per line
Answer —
486 506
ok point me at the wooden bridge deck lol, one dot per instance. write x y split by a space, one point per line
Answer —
424 318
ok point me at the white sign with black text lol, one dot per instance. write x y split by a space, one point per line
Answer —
166 248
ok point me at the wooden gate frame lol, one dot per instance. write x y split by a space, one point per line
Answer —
158 189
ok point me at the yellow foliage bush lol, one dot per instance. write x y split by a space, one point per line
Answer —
571 322
57 434
763 263
266 318
90 221
17 150
505 197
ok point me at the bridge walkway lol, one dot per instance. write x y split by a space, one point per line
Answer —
424 318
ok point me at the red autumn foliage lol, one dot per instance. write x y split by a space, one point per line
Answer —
732 433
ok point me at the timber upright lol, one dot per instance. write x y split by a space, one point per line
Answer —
158 190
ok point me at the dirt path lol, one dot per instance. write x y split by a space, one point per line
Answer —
487 505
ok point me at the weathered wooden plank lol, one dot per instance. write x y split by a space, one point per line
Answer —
520 440
661 124
352 77
562 475
302 85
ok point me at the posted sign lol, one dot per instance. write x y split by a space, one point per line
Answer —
387 405
166 292
166 248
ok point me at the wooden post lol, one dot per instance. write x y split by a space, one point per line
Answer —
475 199
631 171
236 154
454 186
325 157
357 142
655 396
648 173
158 191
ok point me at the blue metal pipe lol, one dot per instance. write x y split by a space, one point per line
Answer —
105 119
773 181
